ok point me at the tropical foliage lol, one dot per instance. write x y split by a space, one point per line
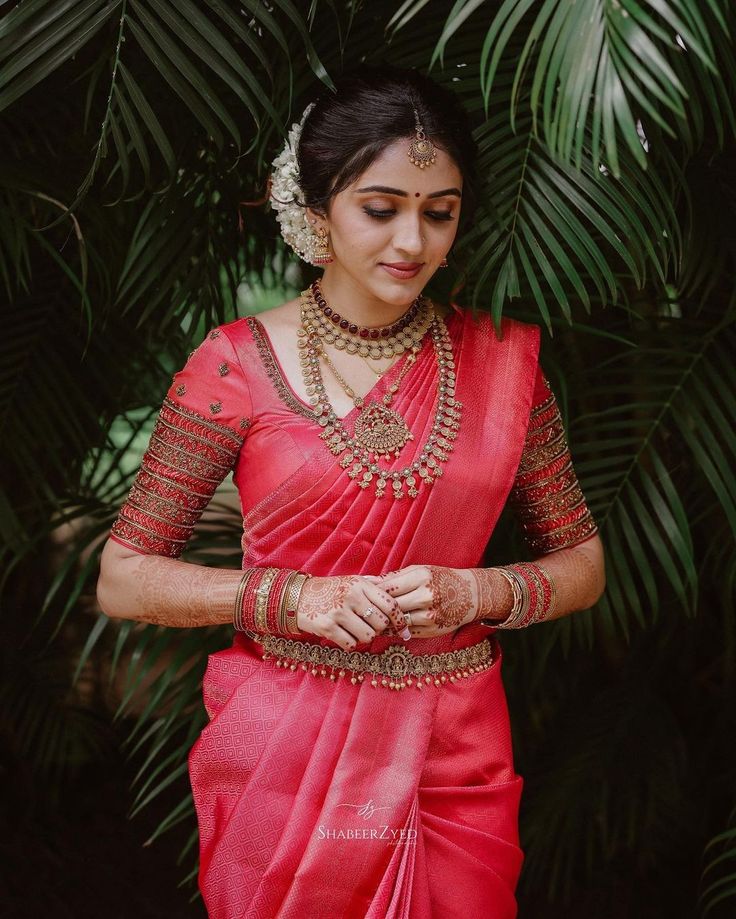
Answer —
138 135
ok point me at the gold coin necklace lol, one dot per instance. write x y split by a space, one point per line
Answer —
379 430
374 343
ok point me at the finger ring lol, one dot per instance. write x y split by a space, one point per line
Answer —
407 618
369 612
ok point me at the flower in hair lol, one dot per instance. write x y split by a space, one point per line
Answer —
285 194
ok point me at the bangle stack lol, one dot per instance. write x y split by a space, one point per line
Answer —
534 595
266 601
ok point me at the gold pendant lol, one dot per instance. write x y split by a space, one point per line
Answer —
381 430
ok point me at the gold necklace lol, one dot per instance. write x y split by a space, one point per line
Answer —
379 429
378 373
359 460
389 346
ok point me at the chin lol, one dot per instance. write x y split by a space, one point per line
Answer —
398 292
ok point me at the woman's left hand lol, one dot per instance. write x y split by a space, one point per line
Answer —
436 600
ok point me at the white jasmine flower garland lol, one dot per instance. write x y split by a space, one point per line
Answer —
285 191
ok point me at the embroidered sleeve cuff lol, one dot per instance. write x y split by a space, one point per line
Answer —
546 495
188 456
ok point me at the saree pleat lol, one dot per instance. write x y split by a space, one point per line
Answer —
319 797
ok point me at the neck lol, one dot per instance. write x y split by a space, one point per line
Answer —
355 303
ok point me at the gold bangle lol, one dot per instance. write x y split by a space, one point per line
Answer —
281 617
262 597
238 610
296 584
521 602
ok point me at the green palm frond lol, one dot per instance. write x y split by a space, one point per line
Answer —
212 60
547 232
608 781
552 233
661 433
718 883
605 133
599 67
53 731
37 37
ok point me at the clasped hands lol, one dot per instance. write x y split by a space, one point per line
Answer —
422 601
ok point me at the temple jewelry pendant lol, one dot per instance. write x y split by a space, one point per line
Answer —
381 430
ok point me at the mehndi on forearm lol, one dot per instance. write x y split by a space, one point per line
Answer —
524 593
177 594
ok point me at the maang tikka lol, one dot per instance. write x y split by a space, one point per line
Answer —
422 150
422 153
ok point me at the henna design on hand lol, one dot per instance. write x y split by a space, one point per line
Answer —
452 596
322 595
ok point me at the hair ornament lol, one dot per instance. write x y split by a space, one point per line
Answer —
285 193
421 151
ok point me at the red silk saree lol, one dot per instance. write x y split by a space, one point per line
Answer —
319 796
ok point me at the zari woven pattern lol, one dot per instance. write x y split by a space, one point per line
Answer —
394 668
546 495
188 456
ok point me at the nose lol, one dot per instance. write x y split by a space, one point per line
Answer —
408 238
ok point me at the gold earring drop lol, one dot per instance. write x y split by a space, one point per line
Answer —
322 254
443 263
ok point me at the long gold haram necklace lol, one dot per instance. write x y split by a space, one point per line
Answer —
357 455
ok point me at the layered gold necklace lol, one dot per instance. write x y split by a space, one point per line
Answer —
380 432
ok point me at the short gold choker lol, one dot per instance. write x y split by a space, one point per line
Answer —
375 343
370 333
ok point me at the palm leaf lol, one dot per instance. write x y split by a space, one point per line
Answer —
596 66
718 882
633 475
39 47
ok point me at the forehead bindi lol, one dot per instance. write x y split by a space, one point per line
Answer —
393 169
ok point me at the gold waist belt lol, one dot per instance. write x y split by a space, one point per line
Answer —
394 668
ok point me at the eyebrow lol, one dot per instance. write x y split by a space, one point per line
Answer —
384 189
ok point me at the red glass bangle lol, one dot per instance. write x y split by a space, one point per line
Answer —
248 613
540 590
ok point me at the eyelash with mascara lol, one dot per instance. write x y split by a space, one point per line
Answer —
382 215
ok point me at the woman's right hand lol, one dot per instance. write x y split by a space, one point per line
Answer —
333 608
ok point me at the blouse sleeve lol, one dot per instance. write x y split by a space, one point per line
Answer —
194 444
546 495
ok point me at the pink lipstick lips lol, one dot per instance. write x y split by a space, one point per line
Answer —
402 270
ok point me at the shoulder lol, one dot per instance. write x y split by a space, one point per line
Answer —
481 322
284 316
277 319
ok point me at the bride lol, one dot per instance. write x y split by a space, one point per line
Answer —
358 760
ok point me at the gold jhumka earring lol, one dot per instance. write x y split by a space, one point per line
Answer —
322 254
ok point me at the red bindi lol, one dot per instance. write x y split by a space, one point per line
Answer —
416 194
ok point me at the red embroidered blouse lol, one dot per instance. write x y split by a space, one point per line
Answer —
209 426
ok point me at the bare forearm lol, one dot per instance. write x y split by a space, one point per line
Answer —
578 574
168 592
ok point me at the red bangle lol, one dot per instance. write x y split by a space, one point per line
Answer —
541 592
248 613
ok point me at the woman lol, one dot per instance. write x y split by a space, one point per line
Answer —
358 760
